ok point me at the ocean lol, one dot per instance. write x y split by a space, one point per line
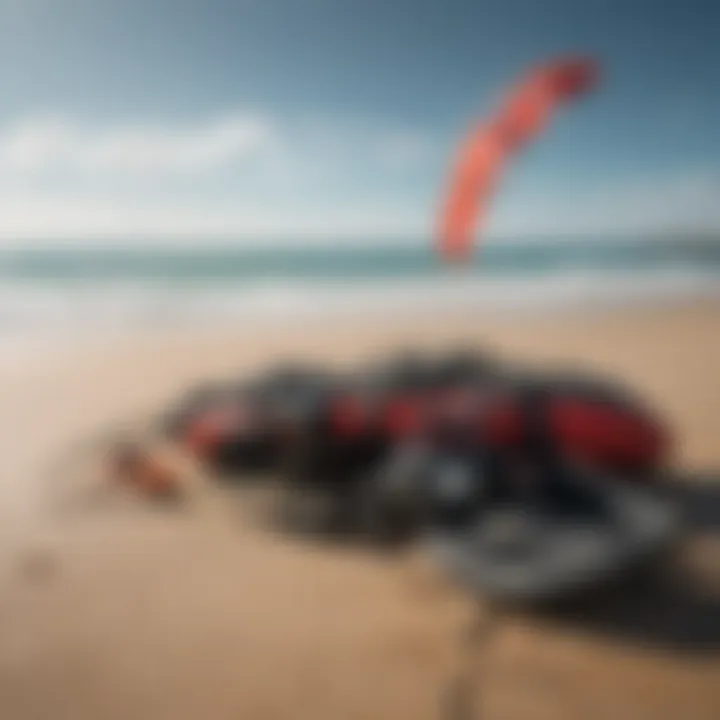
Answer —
100 289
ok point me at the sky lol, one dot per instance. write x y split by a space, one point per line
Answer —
340 118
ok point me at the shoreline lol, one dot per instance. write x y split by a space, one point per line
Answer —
73 342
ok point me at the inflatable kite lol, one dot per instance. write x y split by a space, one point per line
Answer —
524 114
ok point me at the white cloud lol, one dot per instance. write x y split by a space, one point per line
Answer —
55 145
81 216
240 173
35 145
247 173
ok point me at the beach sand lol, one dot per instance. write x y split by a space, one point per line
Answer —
199 613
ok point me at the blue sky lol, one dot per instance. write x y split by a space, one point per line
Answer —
340 117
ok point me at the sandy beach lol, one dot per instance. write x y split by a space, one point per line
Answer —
200 614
